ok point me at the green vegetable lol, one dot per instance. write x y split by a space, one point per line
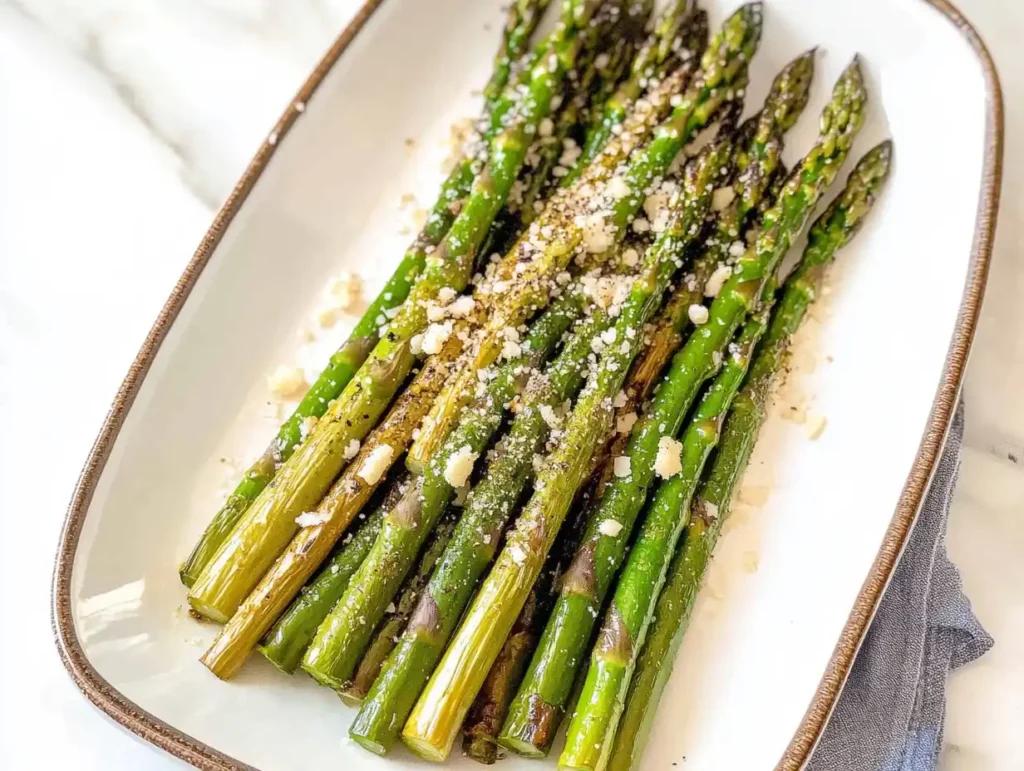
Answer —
829 233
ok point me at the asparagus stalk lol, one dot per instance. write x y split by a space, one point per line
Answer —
439 713
396 617
487 713
538 707
607 41
724 72
313 543
522 21
490 708
664 48
592 726
523 18
287 641
430 728
830 232
269 524
339 643
390 439
488 508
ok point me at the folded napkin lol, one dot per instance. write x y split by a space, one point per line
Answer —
890 714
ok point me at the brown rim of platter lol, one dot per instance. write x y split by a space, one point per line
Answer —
181 745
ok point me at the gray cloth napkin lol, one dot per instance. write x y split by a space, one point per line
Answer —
890 714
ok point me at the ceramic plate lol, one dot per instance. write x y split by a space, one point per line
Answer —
798 574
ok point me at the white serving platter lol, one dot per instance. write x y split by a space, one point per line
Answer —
795 579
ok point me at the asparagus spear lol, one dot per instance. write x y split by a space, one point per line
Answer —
310 547
523 18
538 707
724 72
396 617
344 634
472 548
522 21
829 233
430 728
391 438
488 711
347 497
490 708
269 524
601 63
665 47
287 641
442 706
593 723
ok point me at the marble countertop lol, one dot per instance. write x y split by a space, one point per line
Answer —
124 123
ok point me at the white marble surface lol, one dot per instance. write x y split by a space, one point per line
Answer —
123 123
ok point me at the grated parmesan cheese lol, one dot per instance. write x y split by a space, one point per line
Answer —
435 336
376 463
668 462
460 466
462 307
698 314
717 281
286 381
622 466
307 425
517 554
624 424
311 519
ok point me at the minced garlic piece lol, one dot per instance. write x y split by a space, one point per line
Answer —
630 257
352 449
517 554
668 462
376 463
610 527
460 466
